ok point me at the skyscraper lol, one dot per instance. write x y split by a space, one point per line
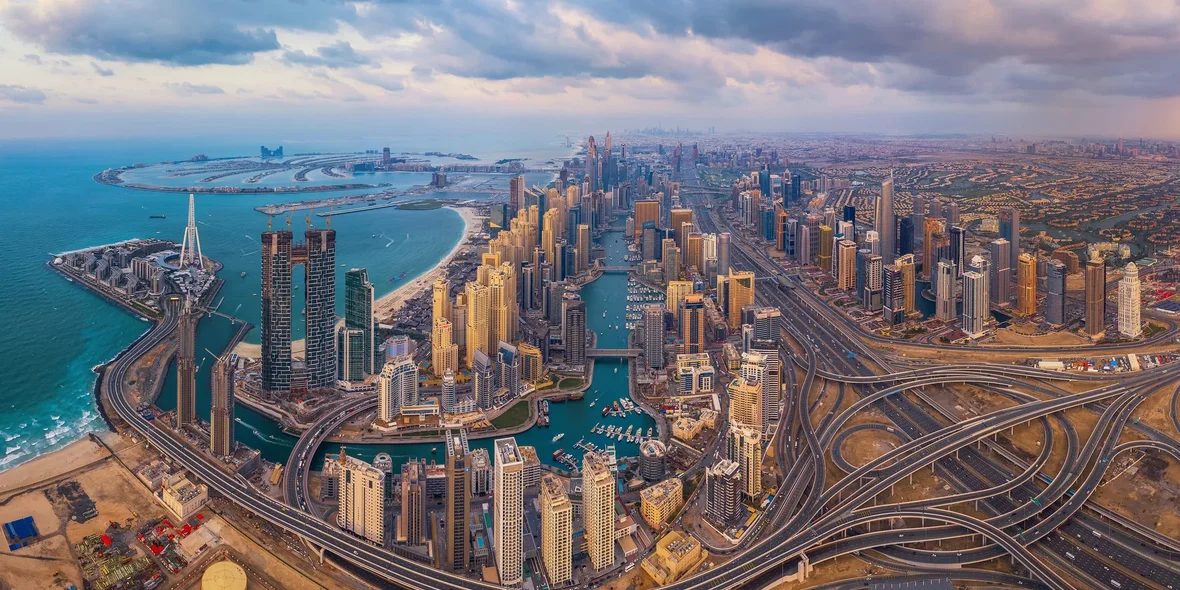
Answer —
873 287
744 447
584 247
825 248
361 499
931 227
846 279
320 308
723 492
575 333
1026 283
509 507
483 380
350 354
221 410
975 303
1055 292
598 509
893 295
885 224
441 299
444 353
1129 303
412 525
448 393
745 399
944 294
458 470
741 294
186 366
557 530
958 238
723 253
653 335
1009 218
905 235
692 323
397 386
1095 297
358 315
515 194
1001 272
908 281
477 319
276 313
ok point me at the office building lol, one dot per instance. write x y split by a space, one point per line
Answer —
1055 292
958 249
825 248
320 308
358 315
872 289
361 499
221 410
1001 271
676 292
481 472
575 333
350 355
768 323
846 278
483 380
448 394
186 366
653 335
660 501
723 245
944 291
509 511
397 386
744 447
1026 284
905 235
930 228
647 211
653 460
723 492
1129 302
584 247
1009 219
692 323
532 363
885 224
1095 298
598 509
740 289
454 549
412 525
557 531
905 262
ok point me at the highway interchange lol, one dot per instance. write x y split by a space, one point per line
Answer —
1034 517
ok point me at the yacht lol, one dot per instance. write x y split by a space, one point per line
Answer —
558 437
616 369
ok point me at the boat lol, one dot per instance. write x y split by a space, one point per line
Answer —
604 314
558 454
593 402
433 449
558 437
157 217
616 369
243 274
605 410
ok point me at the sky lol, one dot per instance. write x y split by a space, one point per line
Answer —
83 68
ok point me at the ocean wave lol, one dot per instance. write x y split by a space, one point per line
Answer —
57 432
9 458
11 450
11 437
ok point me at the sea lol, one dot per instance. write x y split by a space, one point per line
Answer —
53 332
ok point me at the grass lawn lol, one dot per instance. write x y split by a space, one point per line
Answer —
422 205
569 382
514 416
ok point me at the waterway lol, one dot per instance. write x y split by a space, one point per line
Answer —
574 418
53 332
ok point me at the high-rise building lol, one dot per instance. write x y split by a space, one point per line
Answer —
745 400
723 253
584 247
893 295
397 386
692 323
516 194
441 299
944 294
825 248
846 278
483 380
975 303
1129 302
444 353
412 524
744 447
477 319
509 507
872 242
557 531
221 410
350 355
677 217
358 315
931 227
723 492
646 211
186 366
448 392
575 333
507 367
276 313
598 509
1095 297
481 472
320 308
361 499
768 322
908 281
458 469
952 214
885 224
1026 283
1055 292
740 294
653 335
1001 271
873 288
676 292
1009 218
905 235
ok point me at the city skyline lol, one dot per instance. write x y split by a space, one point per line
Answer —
914 67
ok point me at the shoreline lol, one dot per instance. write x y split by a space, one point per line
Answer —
391 302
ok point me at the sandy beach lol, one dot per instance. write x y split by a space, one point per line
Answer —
391 302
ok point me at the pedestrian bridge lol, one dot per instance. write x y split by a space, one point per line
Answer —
622 269
613 352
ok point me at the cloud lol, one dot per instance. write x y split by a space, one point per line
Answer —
187 89
175 32
33 58
101 71
21 94
86 100
337 55
388 82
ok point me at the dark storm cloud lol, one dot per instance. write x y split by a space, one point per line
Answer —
176 32
337 55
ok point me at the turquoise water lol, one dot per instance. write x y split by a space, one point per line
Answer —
574 418
53 332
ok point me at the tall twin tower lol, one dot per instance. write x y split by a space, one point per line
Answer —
317 254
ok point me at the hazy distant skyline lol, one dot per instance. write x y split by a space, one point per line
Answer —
160 67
